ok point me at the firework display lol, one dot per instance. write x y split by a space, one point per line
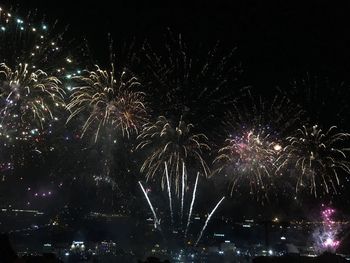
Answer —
325 236
28 99
208 219
108 101
30 90
260 141
254 132
275 116
169 119
23 40
191 81
317 157
33 61
175 145
179 229
38 44
156 220
310 89
250 158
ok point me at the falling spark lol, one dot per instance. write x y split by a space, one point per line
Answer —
174 144
192 203
156 221
182 190
208 218
169 194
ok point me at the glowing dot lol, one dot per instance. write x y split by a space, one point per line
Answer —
277 147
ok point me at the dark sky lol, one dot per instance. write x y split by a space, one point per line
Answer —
276 42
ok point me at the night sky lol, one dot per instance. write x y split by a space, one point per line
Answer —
276 44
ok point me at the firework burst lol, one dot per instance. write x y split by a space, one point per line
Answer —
33 59
318 95
190 81
31 40
176 145
250 158
28 99
254 130
326 236
317 157
275 116
110 100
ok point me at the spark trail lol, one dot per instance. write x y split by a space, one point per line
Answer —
182 190
156 221
191 206
169 194
207 221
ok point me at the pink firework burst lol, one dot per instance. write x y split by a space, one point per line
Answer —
326 235
329 239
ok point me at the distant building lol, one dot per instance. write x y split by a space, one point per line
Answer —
106 247
227 246
77 247
47 248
